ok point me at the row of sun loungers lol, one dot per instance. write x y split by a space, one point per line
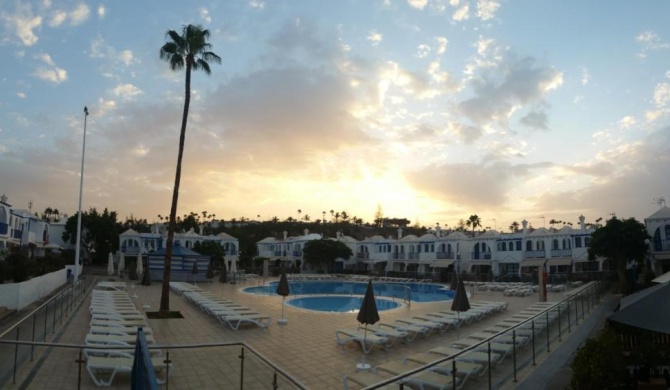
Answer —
407 329
225 311
469 355
115 322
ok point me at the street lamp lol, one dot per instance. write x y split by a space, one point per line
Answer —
81 186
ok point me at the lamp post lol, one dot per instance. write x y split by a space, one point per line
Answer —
81 186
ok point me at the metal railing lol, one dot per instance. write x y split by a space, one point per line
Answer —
243 367
40 325
527 339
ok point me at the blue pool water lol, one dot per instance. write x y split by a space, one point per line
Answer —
420 292
338 304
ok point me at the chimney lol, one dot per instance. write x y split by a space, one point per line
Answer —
306 231
582 225
285 234
399 233
202 229
438 231
524 223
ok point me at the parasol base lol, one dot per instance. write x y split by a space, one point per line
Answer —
282 321
146 306
363 367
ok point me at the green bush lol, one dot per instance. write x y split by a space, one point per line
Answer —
599 363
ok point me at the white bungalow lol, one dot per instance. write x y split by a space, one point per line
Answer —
287 250
658 227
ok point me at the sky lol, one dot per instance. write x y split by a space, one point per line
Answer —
430 110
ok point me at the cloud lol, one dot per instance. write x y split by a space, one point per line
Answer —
57 18
662 94
419 4
422 51
79 15
626 122
536 120
442 43
650 41
126 56
298 39
586 77
51 73
521 82
257 4
486 9
466 133
462 13
101 11
204 14
375 37
126 91
22 95
23 22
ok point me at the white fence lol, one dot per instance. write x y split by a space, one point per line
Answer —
19 295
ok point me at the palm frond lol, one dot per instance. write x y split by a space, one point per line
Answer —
176 62
210 57
200 63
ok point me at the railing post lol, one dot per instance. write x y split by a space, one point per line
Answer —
576 312
588 302
559 322
167 369
32 347
532 329
489 352
79 362
16 354
513 353
46 315
53 329
453 373
241 368
582 307
274 381
568 310
547 325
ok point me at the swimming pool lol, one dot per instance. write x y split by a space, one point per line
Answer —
420 292
338 304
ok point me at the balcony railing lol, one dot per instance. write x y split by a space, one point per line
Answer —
481 255
362 255
4 228
279 253
398 256
17 234
445 255
534 254
561 253
296 253
661 245
413 256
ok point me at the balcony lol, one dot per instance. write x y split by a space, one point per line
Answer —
561 253
661 246
481 255
230 252
4 228
445 255
279 253
17 234
398 256
297 253
362 255
413 256
534 254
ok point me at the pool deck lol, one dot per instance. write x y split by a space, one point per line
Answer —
306 347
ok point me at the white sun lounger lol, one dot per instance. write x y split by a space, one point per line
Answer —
235 320
477 357
425 379
103 369
412 330
390 333
367 340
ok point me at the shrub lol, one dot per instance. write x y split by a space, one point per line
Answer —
599 362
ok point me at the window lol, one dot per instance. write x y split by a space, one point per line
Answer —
578 242
587 241
529 246
518 245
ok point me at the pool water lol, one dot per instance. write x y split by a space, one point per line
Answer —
420 292
338 304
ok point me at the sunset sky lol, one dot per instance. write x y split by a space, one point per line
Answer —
431 109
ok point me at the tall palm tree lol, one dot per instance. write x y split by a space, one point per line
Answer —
188 50
474 222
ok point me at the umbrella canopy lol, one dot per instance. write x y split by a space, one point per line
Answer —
282 286
368 313
460 302
122 263
146 277
454 282
110 264
641 310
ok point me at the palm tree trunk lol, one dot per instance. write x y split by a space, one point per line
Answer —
165 291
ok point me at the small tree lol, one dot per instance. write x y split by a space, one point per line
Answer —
323 253
599 363
620 241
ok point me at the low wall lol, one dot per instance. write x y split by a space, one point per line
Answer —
19 295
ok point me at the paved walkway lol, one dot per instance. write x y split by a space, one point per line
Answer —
305 347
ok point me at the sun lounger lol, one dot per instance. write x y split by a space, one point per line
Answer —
103 369
497 347
98 339
433 325
367 340
447 321
118 330
235 320
464 369
366 379
412 330
476 357
119 323
114 286
507 338
114 316
426 379
391 334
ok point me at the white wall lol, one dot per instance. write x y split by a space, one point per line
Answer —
19 295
